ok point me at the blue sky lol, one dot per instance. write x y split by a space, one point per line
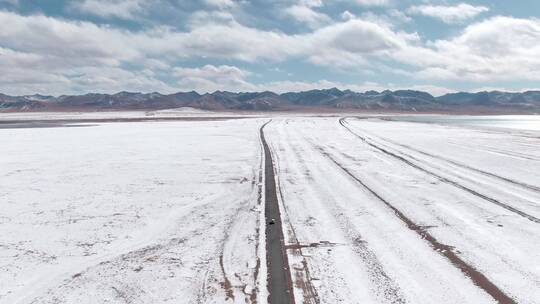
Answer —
72 47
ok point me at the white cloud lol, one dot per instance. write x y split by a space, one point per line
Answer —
399 16
448 14
389 19
61 47
65 41
502 89
220 3
229 78
346 15
125 9
353 43
210 78
71 54
307 15
311 3
210 71
344 43
499 48
20 68
25 73
48 55
202 18
373 2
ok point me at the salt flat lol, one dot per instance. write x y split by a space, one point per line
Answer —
373 211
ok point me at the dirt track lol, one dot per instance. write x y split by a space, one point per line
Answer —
441 178
478 278
458 164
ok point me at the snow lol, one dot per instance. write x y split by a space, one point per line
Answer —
129 211
178 113
70 115
376 258
171 211
183 110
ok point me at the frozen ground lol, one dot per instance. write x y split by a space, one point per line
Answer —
154 212
181 112
171 212
395 212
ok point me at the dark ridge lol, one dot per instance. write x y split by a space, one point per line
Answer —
325 99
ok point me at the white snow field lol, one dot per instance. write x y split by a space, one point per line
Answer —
365 221
373 211
153 212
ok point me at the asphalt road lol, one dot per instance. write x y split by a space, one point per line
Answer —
279 276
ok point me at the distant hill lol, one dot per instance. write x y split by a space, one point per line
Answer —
401 100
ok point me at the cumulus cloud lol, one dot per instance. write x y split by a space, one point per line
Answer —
350 43
346 15
220 3
64 48
499 48
390 18
448 14
61 40
27 73
307 15
398 16
230 78
373 2
37 51
311 3
210 78
44 54
125 9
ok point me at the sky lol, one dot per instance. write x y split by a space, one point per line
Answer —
59 47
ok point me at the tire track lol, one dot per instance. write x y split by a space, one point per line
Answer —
302 274
259 183
474 275
386 288
441 178
279 275
249 295
461 165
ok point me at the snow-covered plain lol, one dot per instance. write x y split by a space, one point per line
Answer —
153 212
180 112
169 212
357 248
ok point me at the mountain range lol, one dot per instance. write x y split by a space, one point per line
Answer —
326 99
